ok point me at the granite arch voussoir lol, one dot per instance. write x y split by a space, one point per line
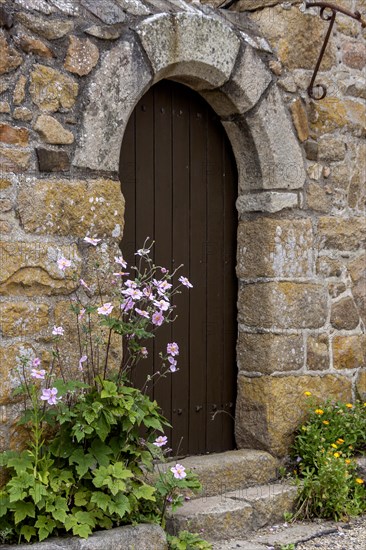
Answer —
190 47
248 82
122 79
279 152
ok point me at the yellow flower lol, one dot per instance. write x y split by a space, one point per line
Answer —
347 461
359 480
349 405
308 393
326 422
304 428
336 455
340 441
364 404
350 447
334 446
319 411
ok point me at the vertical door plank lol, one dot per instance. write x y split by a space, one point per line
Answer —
215 290
144 199
163 227
181 229
198 301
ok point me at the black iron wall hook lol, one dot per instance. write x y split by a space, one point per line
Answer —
328 12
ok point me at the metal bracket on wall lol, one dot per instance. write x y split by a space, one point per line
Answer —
328 12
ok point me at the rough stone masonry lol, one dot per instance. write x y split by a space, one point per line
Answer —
71 73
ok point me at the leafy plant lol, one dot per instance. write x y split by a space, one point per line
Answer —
323 451
288 516
92 473
187 541
92 435
5 534
172 485
340 426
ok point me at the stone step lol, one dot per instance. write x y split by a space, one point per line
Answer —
236 513
223 472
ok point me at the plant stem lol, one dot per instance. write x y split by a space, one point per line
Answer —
106 354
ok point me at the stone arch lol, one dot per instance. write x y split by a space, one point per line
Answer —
206 53
212 57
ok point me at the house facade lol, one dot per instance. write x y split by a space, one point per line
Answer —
222 93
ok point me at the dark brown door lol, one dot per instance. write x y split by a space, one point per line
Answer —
179 180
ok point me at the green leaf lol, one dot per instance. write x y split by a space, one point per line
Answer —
16 493
101 452
152 422
25 477
145 491
147 459
4 503
102 500
43 476
119 471
78 431
109 389
60 478
85 517
21 464
59 515
22 510
120 505
102 427
70 522
105 522
112 477
59 510
84 461
89 415
82 530
45 526
101 477
97 406
5 456
17 485
38 491
28 532
62 447
82 497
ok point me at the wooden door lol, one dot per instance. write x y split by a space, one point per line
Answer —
179 181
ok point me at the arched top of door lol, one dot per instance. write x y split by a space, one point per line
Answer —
208 54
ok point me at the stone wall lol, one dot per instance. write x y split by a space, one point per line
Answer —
302 301
71 73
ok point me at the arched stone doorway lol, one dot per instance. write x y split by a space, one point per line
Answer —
210 56
179 180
